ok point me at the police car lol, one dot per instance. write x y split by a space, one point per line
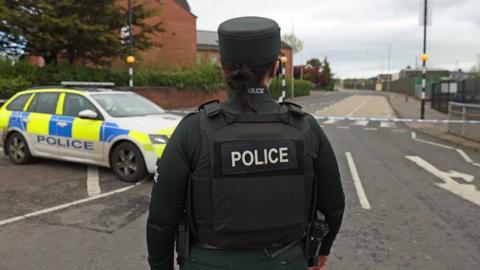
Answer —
88 123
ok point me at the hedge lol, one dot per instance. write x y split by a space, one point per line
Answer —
21 75
301 88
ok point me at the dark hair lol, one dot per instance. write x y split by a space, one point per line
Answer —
240 78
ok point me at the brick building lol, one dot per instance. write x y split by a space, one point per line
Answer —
178 42
208 50
181 44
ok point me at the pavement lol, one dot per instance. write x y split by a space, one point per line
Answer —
410 108
413 201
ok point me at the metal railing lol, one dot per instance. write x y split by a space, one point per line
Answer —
464 112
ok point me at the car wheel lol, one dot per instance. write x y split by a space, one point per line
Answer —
128 163
17 149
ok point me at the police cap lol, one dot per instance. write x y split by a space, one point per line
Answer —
249 40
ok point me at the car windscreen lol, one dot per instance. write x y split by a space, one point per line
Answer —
126 104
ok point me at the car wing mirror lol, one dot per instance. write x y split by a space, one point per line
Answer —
88 114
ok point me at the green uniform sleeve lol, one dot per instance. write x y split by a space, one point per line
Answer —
168 193
330 196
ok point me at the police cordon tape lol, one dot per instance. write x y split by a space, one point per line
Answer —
375 119
397 120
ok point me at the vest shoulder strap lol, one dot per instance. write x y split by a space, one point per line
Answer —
211 108
293 108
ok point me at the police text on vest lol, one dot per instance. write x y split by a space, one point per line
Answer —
265 157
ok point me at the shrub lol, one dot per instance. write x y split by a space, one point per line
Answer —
22 75
301 88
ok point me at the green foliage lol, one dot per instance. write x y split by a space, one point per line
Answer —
82 30
294 42
23 75
315 62
329 82
302 88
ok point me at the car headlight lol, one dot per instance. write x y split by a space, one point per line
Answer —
159 139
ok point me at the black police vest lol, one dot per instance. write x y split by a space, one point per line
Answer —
254 183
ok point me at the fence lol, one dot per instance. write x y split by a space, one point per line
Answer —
442 93
463 111
465 91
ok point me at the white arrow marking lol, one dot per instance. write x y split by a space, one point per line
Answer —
466 191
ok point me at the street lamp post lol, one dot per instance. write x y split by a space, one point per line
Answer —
130 58
424 58
284 61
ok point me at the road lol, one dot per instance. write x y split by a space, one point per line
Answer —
412 202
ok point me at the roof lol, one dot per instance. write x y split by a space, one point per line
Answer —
184 4
207 37
286 46
69 89
208 41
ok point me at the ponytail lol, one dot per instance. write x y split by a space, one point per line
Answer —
240 78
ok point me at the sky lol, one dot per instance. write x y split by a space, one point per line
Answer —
355 35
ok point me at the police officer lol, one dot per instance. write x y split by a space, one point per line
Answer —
249 177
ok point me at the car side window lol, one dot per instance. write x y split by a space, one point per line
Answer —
18 103
44 103
74 104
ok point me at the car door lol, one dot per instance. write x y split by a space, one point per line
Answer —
83 134
39 129
13 116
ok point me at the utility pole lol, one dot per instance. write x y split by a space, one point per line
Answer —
424 58
389 77
293 67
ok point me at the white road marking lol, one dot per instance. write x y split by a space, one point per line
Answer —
343 127
329 122
387 125
322 126
464 155
361 123
357 182
93 181
357 108
371 129
399 130
1 149
414 137
458 150
67 205
466 191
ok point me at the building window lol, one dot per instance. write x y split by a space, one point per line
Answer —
213 59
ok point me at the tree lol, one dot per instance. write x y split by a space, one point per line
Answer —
294 42
329 82
315 62
87 29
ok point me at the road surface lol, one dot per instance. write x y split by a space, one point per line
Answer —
413 202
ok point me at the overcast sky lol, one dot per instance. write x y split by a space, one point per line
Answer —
355 34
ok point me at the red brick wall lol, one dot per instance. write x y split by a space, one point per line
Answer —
179 41
172 98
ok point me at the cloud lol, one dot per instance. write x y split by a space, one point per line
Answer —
355 34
